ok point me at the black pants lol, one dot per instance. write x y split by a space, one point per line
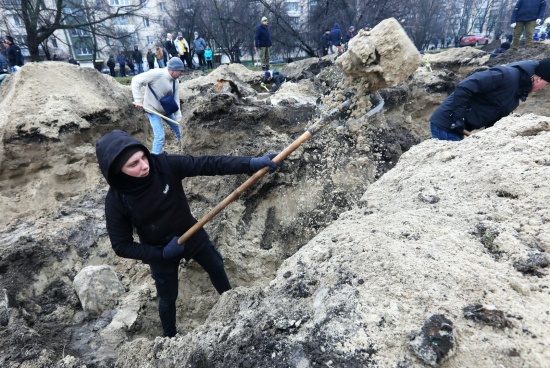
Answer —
166 282
187 58
209 63
112 70
200 55
122 72
151 64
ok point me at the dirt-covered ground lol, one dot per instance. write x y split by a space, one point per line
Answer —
368 232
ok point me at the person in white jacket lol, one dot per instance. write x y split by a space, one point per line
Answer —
159 82
183 50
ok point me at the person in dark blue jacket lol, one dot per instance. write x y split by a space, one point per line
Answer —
121 58
4 69
485 97
335 38
526 14
262 42
146 193
501 50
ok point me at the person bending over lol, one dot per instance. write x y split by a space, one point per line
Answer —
485 97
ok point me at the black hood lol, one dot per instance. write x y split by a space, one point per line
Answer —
527 70
107 149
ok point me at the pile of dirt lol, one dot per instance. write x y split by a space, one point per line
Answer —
54 102
380 58
449 246
52 113
538 51
328 268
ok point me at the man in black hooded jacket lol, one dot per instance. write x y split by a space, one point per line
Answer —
146 193
485 97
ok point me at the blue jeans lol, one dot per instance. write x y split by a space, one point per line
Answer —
444 135
166 283
161 63
139 68
158 131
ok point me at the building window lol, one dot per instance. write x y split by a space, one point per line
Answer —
294 21
291 7
162 6
17 21
83 51
165 23
119 2
150 40
20 40
79 32
54 42
12 4
122 21
146 22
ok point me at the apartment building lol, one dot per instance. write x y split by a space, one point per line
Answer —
143 27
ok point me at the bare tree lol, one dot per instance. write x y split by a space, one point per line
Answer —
42 18
423 21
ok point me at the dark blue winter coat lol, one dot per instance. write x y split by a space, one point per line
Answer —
3 65
485 97
156 206
335 35
528 10
262 38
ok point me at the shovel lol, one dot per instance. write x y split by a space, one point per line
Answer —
158 114
331 115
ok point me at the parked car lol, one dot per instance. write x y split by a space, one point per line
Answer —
277 60
474 39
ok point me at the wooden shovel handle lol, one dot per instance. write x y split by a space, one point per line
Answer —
244 186
158 114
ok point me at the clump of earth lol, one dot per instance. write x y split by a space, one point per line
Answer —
370 243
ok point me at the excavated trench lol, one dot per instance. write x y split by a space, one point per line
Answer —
52 198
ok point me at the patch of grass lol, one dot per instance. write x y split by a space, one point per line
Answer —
124 80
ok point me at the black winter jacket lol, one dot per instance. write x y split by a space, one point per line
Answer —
13 53
325 41
528 10
171 47
156 206
485 97
136 55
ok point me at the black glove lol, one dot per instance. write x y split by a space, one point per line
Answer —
259 163
458 127
173 250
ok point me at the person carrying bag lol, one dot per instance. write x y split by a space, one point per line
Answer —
167 102
160 82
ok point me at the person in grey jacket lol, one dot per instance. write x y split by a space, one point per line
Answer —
161 82
200 46
526 14
485 97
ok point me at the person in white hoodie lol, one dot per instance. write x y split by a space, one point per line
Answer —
183 50
160 83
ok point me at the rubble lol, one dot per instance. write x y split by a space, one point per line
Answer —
360 237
